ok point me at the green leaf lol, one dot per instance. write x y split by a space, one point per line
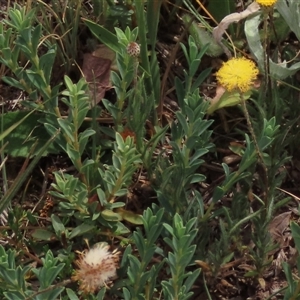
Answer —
199 80
277 71
183 122
67 128
196 178
121 229
51 295
13 126
13 82
296 235
57 225
101 294
43 235
130 217
290 11
35 37
228 99
83 139
105 36
80 230
109 215
153 13
37 80
218 194
13 296
71 294
19 180
288 275
221 8
69 83
61 141
46 63
126 294
22 130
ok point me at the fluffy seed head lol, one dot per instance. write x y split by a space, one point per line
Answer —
133 49
96 267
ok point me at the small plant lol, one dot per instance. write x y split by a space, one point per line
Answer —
35 80
293 283
142 277
13 278
183 248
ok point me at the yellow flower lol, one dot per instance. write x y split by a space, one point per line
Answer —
237 73
96 267
266 2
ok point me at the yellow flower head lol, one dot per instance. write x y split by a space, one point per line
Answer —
266 2
237 73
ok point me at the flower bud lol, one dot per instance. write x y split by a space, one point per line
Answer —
133 49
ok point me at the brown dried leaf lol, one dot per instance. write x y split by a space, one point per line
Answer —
231 159
262 283
103 51
278 225
96 71
220 90
235 17
281 257
203 265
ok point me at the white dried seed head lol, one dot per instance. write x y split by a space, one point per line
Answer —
96 267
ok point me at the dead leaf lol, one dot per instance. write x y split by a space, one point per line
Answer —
227 284
235 17
220 90
127 132
281 257
231 159
103 51
96 71
277 227
262 283
203 265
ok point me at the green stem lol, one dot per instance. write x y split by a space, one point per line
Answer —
122 97
137 286
259 153
76 139
50 288
118 184
295 295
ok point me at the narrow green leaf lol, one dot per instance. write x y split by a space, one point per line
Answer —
14 126
19 180
105 36
296 235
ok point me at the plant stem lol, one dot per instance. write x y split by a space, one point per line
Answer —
260 156
50 288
